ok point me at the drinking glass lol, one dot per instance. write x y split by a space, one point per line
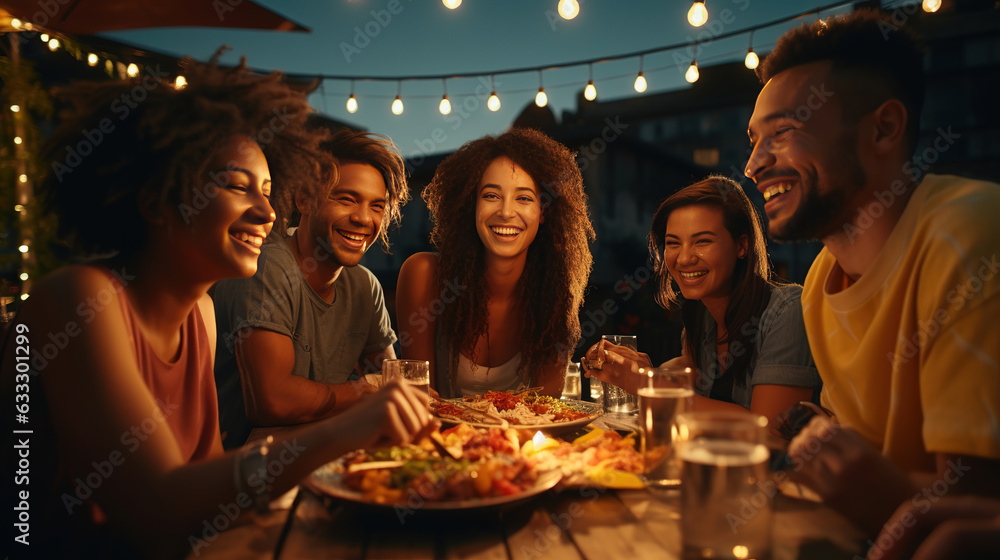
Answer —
571 386
414 372
664 393
726 508
616 399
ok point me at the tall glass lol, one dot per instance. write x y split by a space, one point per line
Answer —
571 385
416 373
664 393
615 399
726 510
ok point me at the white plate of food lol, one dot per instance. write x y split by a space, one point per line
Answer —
489 471
517 410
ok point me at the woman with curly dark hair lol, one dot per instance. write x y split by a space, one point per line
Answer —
743 331
173 195
497 307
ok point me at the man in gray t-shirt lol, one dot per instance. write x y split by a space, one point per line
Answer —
294 338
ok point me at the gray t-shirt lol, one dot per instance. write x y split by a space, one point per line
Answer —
329 338
782 354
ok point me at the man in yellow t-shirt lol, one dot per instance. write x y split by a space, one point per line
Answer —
901 306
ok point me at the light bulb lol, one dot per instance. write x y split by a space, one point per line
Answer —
352 104
109 66
698 15
23 178
92 59
590 92
132 70
752 60
23 248
451 4
24 297
692 73
541 99
15 23
445 106
640 83
180 82
569 9
53 44
19 208
931 5
15 108
494 102
17 140
44 37
397 106
24 276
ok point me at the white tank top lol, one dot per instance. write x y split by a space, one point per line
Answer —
472 379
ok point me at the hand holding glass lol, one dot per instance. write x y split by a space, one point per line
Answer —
616 399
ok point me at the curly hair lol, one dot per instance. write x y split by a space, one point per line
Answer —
378 151
143 143
879 59
752 281
550 290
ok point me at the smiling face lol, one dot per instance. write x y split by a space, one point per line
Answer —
700 253
508 209
804 157
348 221
226 233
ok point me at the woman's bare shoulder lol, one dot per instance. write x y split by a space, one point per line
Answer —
420 265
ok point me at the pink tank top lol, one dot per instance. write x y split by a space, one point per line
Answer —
184 389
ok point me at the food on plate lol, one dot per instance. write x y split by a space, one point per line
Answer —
505 407
598 458
489 465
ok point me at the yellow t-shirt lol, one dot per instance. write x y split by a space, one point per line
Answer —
910 353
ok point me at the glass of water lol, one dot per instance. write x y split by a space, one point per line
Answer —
726 503
414 372
571 386
615 399
664 393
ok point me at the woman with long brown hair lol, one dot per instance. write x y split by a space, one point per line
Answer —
743 331
497 307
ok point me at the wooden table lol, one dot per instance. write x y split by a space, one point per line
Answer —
582 523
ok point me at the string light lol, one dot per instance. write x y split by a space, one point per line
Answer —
15 108
698 14
451 4
931 5
17 140
540 98
15 23
109 66
397 104
640 80
44 37
445 106
53 44
590 92
23 248
569 9
24 276
352 102
752 60
24 297
493 103
180 82
92 59
23 178
18 208
132 70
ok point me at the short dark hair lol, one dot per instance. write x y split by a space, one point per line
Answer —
866 45
378 151
156 151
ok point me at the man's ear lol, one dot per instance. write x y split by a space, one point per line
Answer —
304 204
889 126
